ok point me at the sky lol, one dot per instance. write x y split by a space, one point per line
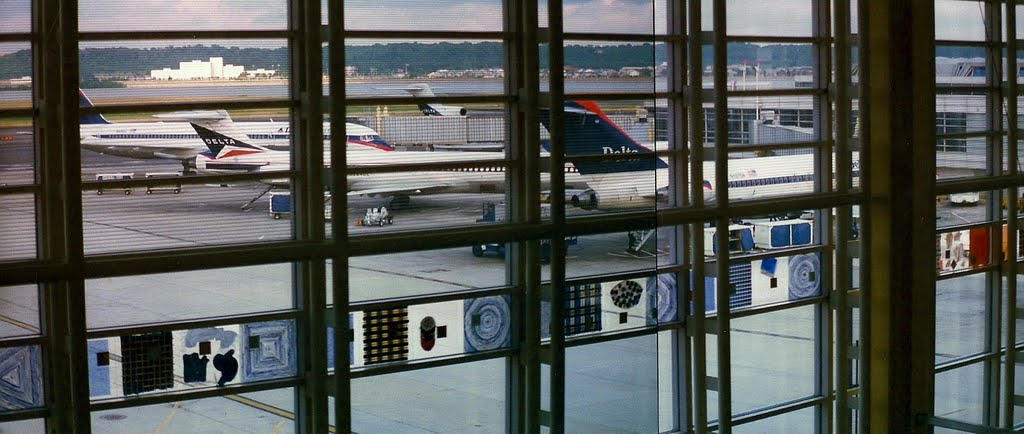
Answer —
956 19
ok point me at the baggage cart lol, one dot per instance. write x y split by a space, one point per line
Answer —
114 177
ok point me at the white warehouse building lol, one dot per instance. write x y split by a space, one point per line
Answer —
198 69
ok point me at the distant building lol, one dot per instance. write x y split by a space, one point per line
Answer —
199 70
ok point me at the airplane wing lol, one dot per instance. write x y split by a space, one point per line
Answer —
400 188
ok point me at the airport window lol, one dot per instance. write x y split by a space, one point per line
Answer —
645 216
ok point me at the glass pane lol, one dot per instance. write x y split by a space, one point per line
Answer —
612 386
959 393
113 15
959 209
773 358
15 75
469 397
959 20
191 359
612 67
406 274
19 311
18 237
246 412
124 219
21 369
123 301
448 67
636 17
755 17
127 72
15 16
443 15
24 426
959 316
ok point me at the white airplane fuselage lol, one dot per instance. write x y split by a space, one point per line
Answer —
178 141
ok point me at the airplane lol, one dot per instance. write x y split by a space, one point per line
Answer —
228 152
641 182
178 141
433 109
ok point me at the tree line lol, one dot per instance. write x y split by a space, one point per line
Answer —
415 59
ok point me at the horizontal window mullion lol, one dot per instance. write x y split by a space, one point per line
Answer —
189 395
20 189
433 239
964 227
591 339
956 90
34 271
23 341
237 103
420 34
778 39
966 361
820 144
413 365
113 332
204 258
773 307
571 37
803 92
18 415
186 34
968 272
187 180
964 43
778 253
987 183
777 410
616 96
16 37
409 100
413 300
971 134
679 216
18 112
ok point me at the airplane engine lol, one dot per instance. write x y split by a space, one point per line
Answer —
200 162
586 199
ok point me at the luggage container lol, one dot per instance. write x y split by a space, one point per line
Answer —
174 188
780 234
114 177
280 204
741 239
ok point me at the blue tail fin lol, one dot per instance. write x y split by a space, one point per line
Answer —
95 118
216 141
589 132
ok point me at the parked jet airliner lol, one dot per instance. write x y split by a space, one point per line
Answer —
229 153
641 182
178 141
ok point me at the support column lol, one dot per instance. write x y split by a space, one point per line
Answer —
900 59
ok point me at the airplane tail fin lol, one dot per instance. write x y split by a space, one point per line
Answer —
423 90
222 145
95 118
590 132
